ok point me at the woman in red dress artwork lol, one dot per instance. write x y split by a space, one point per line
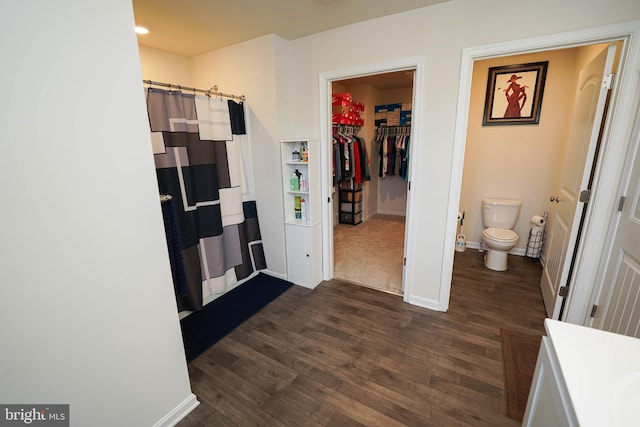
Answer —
515 94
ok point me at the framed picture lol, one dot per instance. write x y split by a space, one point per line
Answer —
514 94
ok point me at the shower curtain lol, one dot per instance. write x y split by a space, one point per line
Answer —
202 161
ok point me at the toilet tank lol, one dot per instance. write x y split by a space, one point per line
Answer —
500 213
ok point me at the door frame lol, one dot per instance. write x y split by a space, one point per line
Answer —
632 162
618 129
416 63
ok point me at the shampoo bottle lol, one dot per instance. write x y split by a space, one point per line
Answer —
294 182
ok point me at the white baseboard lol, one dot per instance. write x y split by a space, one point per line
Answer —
284 277
428 303
396 213
274 274
179 412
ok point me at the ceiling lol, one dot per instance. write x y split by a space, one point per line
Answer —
384 81
192 27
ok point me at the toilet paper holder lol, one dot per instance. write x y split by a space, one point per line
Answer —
536 235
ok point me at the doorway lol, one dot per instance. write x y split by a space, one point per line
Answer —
615 130
326 79
522 162
369 213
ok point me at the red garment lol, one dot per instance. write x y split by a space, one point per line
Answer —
357 172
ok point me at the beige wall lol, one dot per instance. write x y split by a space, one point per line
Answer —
517 161
250 69
366 94
164 67
382 195
392 190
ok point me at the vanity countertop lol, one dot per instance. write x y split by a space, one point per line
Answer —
601 371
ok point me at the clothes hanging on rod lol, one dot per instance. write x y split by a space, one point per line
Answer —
393 150
350 157
213 91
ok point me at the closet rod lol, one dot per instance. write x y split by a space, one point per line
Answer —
213 91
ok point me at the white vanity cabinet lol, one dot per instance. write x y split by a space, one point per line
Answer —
548 403
302 225
585 377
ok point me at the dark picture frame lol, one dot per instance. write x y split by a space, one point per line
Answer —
514 94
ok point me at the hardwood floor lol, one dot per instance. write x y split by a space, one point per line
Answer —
346 355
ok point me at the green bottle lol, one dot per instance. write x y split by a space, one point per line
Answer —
297 205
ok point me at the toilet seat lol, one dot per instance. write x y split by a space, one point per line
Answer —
500 234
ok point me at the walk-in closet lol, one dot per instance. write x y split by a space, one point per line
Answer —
371 135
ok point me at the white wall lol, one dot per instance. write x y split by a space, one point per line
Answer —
252 69
437 33
517 162
87 311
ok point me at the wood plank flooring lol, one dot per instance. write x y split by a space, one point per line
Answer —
347 355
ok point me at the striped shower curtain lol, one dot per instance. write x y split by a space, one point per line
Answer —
202 161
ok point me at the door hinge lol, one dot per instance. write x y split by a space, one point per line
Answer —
404 261
621 203
594 310
585 195
607 81
564 291
409 185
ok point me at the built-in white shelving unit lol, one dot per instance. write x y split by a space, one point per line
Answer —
303 226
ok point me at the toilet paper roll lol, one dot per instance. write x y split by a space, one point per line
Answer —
537 229
538 220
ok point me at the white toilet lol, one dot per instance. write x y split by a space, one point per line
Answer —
499 216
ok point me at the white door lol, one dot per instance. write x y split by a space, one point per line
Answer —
564 224
618 302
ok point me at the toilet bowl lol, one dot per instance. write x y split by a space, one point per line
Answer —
499 216
499 242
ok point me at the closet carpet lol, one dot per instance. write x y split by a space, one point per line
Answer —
370 253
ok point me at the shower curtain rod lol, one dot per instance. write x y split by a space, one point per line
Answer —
213 91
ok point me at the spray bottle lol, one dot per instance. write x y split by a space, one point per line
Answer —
461 245
303 209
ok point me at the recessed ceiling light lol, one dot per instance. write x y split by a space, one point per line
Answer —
141 30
